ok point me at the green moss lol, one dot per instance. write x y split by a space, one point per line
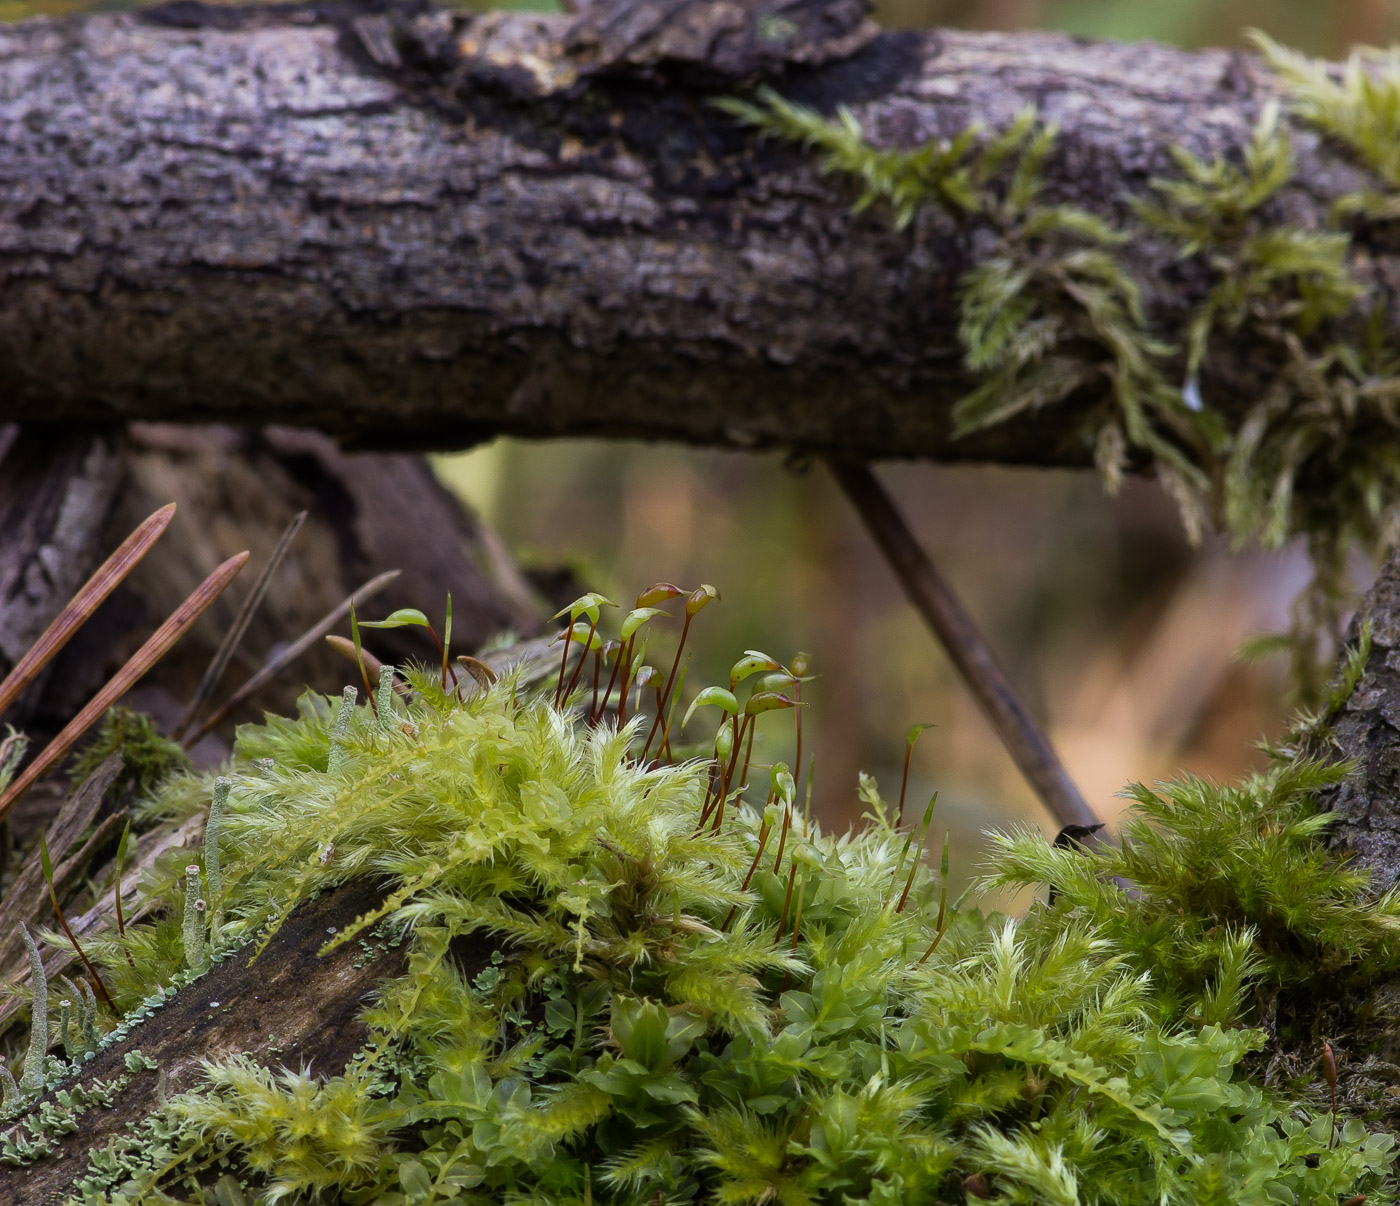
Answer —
650 1028
1051 311
1359 107
148 757
1048 309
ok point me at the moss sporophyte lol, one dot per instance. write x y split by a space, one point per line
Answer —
1049 307
698 995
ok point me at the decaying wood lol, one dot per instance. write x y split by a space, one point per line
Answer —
56 493
409 226
67 501
185 835
26 900
290 1008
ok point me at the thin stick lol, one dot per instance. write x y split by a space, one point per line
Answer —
292 652
120 683
729 770
782 837
712 782
787 900
748 757
904 783
626 673
918 854
564 661
670 716
797 757
964 644
612 678
763 835
90 595
219 663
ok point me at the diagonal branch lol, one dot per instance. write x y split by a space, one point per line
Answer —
965 646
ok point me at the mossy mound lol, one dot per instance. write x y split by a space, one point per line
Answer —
742 1013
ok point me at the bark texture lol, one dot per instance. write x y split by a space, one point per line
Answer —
1366 730
418 227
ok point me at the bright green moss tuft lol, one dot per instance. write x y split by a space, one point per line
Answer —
149 758
630 1042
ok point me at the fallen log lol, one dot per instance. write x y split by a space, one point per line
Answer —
408 226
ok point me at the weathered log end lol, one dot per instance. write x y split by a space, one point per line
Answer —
287 1006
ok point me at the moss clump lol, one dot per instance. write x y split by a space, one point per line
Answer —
1051 312
658 1024
1047 309
148 758
1221 891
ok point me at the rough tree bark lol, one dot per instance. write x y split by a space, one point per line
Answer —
1366 731
413 226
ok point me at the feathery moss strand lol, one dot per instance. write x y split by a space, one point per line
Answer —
1049 311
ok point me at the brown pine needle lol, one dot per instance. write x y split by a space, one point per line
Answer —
219 663
363 660
80 607
141 661
293 651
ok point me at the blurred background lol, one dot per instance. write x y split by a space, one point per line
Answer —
1121 636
